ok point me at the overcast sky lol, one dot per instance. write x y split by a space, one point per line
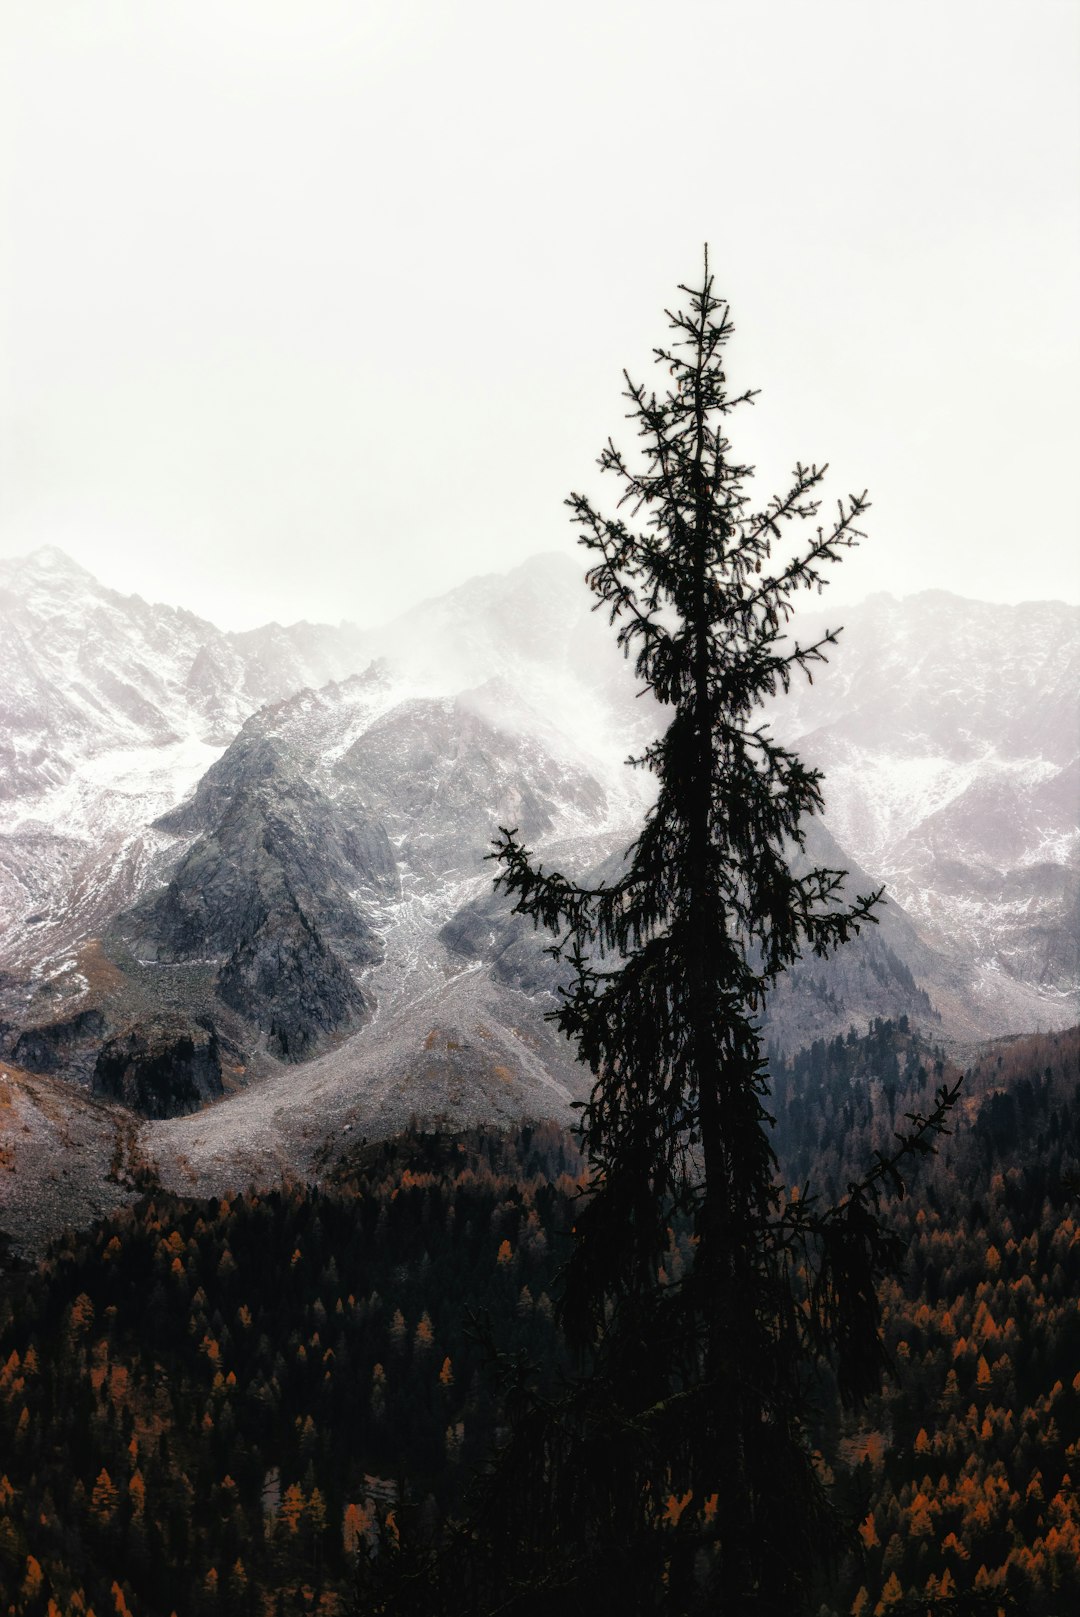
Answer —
312 309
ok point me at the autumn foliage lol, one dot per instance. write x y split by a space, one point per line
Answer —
237 1406
209 1406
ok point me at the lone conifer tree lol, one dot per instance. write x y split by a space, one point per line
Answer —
678 1470
674 1473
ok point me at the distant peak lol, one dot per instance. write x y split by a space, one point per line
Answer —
949 599
50 559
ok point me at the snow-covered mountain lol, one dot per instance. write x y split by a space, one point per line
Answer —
252 867
110 711
88 671
949 734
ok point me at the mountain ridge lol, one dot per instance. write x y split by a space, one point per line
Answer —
299 912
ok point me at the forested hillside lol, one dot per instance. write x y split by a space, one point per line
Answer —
205 1402
968 1465
218 1407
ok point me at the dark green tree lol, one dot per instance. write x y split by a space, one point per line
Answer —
677 1470
674 1471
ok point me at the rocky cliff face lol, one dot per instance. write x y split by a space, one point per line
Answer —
165 1067
303 835
69 1046
267 892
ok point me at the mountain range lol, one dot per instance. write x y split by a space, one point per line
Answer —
244 908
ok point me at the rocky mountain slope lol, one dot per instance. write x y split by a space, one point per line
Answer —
110 711
262 883
949 734
316 826
89 671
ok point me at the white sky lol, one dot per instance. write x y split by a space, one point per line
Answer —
313 309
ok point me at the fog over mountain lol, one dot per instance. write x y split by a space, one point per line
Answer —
949 732
248 869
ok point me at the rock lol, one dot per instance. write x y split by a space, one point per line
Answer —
284 977
68 1046
165 1067
267 892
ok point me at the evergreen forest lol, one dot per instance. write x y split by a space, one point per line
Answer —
257 1404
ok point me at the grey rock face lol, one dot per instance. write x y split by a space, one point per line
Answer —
873 975
292 984
69 1045
267 892
486 930
163 1068
443 777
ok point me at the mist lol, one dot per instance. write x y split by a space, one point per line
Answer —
313 313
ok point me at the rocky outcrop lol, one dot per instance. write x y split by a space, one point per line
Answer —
268 893
486 930
287 978
69 1046
292 845
165 1067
